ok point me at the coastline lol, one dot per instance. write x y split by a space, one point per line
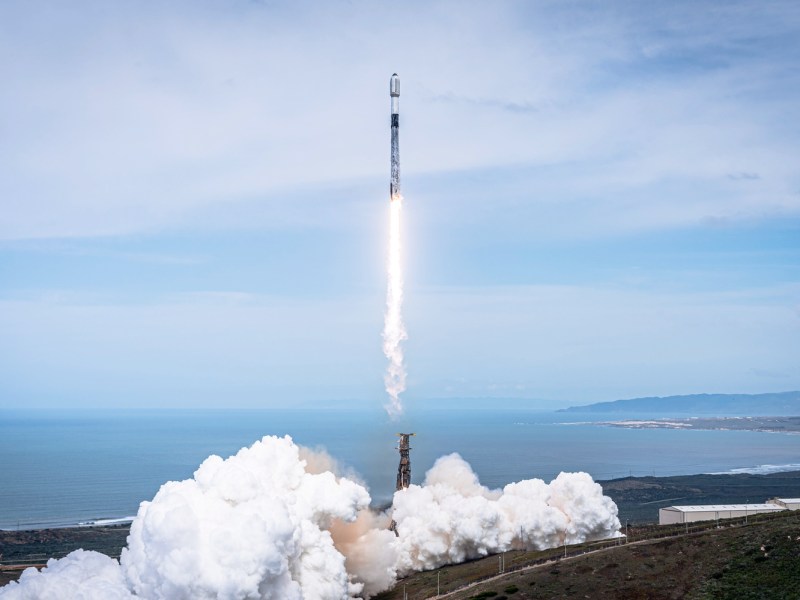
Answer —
33 547
104 522
785 425
701 485
638 500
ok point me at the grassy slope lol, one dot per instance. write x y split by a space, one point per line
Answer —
725 563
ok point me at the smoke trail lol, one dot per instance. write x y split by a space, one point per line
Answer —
394 332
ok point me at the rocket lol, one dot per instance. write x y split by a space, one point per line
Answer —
394 95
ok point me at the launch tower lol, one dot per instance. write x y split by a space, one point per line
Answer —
404 468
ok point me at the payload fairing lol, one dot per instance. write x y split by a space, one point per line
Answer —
394 94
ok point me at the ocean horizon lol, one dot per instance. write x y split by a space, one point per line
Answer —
68 467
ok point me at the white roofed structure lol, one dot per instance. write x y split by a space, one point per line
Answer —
711 512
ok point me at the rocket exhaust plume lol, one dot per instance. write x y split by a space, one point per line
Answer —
280 522
394 331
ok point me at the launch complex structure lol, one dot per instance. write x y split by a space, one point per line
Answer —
404 468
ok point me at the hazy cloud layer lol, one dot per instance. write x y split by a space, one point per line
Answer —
554 342
602 199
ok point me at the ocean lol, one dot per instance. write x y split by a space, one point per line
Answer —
63 468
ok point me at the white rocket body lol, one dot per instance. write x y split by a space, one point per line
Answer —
394 94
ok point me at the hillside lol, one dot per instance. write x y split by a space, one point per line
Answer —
740 562
775 404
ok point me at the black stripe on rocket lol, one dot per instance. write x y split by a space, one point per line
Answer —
394 93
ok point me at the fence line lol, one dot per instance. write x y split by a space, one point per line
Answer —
658 532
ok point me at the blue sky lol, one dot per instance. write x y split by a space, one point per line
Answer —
602 200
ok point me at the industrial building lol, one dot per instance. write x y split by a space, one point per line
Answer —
711 512
787 503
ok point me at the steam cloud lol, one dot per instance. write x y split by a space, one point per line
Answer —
452 517
394 332
277 522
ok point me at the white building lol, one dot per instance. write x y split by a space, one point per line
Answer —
711 512
789 503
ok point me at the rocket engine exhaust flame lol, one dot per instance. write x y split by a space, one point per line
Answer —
394 331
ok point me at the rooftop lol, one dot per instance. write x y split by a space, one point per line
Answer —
723 507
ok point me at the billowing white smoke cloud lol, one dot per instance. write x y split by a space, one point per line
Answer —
452 517
370 550
275 522
80 575
252 526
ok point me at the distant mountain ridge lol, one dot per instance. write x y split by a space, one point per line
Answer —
772 404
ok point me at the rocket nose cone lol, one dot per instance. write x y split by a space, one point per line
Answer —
394 85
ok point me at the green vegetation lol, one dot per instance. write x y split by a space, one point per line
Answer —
708 563
769 570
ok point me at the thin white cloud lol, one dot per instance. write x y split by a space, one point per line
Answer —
137 117
217 348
